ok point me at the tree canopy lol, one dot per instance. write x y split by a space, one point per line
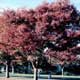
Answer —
54 26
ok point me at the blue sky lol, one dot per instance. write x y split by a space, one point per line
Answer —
14 4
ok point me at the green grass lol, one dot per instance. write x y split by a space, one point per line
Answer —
18 75
44 76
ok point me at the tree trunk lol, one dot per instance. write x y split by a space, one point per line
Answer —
7 69
29 67
49 76
35 74
12 69
62 72
35 71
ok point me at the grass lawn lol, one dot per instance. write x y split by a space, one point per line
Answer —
17 76
44 76
15 79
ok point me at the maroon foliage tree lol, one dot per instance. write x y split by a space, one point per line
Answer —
54 26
